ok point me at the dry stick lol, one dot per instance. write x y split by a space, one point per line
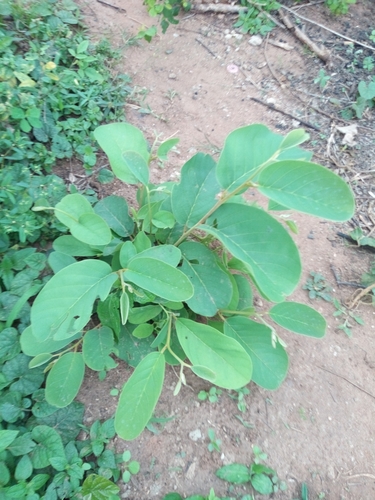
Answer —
233 9
207 48
320 52
361 475
328 29
110 5
347 380
361 294
269 65
274 108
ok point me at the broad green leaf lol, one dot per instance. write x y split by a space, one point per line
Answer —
139 396
24 469
142 242
294 138
71 246
108 312
143 331
263 244
212 286
245 150
115 211
124 307
65 421
167 253
196 193
4 471
133 350
23 380
118 138
71 207
92 230
137 166
65 379
234 473
139 315
7 438
270 364
64 306
299 318
206 347
366 91
9 344
21 445
49 444
40 359
204 372
165 147
262 484
99 488
245 292
59 260
159 278
97 346
127 252
163 219
32 347
309 188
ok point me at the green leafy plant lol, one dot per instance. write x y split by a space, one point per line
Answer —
54 91
132 467
168 11
372 36
177 496
263 479
365 100
215 443
254 19
146 278
368 63
239 395
322 79
212 395
346 314
339 6
318 287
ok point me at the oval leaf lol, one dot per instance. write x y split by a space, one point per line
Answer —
208 348
159 278
234 473
64 305
71 207
309 188
262 243
137 166
124 307
92 230
299 318
139 396
270 364
65 379
115 211
96 348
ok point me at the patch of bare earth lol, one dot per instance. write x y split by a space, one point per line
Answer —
201 78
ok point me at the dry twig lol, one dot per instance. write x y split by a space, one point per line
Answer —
359 294
347 380
322 53
110 5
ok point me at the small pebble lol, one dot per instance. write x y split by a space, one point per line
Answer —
195 435
256 40
172 76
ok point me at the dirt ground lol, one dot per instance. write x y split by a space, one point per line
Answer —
197 82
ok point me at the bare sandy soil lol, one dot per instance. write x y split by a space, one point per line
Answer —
198 82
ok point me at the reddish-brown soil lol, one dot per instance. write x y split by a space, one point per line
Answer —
319 427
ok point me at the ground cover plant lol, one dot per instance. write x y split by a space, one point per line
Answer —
172 281
54 91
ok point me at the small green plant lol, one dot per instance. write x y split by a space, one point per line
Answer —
372 36
212 395
132 467
254 20
318 287
368 63
263 479
322 79
339 6
135 284
365 100
210 496
346 314
214 444
239 395
168 10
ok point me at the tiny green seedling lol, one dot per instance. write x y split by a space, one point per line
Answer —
368 63
131 466
322 79
346 314
212 395
214 444
240 397
263 479
372 36
318 287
